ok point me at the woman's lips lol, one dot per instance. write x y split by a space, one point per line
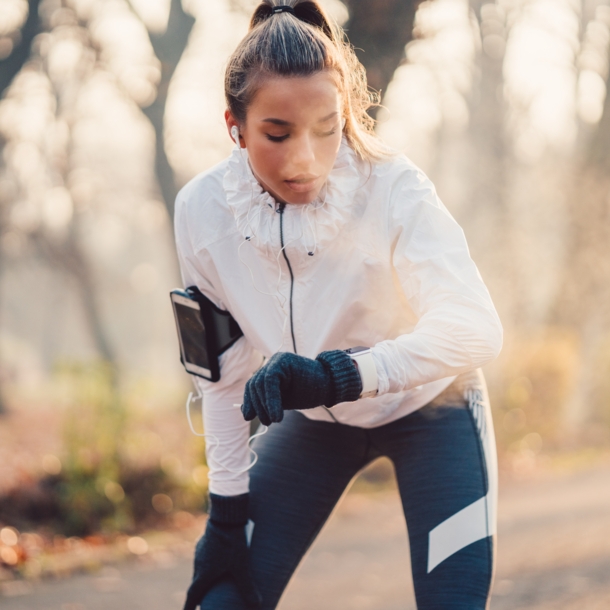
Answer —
301 186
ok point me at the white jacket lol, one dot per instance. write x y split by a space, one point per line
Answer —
377 261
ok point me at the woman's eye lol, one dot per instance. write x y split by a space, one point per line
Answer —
276 138
324 134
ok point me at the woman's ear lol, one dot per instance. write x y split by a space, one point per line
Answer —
233 129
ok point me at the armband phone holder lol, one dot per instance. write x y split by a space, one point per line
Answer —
204 332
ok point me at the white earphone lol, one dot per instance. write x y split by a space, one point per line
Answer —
235 134
212 449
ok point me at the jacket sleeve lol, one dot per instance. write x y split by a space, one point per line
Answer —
226 430
458 328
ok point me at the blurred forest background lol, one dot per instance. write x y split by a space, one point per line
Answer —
107 107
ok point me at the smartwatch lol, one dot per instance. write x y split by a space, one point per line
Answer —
363 359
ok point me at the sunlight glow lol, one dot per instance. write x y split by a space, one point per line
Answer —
540 80
57 208
12 15
154 13
429 90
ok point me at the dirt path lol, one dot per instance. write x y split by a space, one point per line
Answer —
554 553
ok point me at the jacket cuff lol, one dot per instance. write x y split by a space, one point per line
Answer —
346 381
383 382
229 510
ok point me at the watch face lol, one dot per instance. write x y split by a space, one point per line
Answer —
356 350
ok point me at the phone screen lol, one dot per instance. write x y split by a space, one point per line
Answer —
192 334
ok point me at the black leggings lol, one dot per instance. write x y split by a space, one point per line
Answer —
444 456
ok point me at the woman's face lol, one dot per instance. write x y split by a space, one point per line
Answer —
292 134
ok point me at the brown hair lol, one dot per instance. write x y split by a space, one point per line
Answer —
302 42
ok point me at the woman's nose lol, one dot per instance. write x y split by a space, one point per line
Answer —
303 153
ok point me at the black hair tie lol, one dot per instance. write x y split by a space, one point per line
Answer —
282 9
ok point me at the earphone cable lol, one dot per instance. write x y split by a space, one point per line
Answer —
212 450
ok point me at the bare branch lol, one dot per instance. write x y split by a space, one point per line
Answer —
10 67
169 48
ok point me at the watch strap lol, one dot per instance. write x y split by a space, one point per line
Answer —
363 357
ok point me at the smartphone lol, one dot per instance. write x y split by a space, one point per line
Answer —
191 335
204 332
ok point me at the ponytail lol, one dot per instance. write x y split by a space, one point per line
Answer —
305 11
296 38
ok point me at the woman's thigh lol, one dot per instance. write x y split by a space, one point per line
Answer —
446 469
303 468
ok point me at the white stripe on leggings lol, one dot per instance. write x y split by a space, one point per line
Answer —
478 520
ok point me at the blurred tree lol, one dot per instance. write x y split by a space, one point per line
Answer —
22 46
584 289
64 21
10 66
598 153
487 105
485 213
380 31
60 246
169 48
64 250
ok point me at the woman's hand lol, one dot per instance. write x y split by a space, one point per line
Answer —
222 552
289 381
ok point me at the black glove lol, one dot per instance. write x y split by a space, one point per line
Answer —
288 381
223 552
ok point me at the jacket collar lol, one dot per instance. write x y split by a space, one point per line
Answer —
307 227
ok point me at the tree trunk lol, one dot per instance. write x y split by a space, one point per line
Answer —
484 213
582 301
598 154
9 68
65 251
586 277
379 32
69 256
169 48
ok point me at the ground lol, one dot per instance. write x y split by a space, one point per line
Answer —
553 553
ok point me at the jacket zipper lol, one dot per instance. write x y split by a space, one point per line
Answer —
294 343
281 212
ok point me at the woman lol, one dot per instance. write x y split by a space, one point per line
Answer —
318 239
